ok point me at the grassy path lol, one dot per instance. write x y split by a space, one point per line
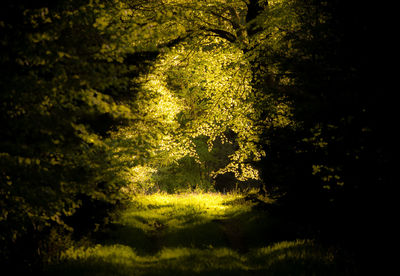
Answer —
196 234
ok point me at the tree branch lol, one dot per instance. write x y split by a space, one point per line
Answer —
221 33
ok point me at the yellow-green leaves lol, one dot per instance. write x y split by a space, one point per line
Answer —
198 89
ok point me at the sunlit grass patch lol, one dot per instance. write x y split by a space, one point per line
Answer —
301 251
212 202
283 258
122 260
176 211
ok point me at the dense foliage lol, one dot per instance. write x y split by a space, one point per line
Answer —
63 86
102 99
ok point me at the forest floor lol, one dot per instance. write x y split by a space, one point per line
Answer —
198 234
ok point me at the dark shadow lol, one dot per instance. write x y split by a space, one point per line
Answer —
143 243
151 206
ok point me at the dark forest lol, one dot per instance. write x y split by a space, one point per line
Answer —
197 137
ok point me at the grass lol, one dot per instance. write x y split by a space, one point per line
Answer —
197 234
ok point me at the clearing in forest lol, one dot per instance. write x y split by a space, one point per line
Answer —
197 234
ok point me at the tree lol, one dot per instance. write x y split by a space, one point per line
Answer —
198 90
204 85
64 83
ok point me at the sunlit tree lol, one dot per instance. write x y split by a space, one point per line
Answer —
204 84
